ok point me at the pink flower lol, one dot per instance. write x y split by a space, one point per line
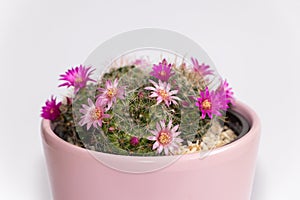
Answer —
76 77
211 103
93 114
202 70
227 91
111 92
163 93
51 109
141 63
162 71
165 138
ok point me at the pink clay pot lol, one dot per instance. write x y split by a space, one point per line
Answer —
225 174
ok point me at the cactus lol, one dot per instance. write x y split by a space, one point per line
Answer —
137 114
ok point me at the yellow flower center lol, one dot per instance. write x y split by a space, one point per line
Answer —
111 92
206 104
163 94
162 73
164 138
51 111
97 114
78 80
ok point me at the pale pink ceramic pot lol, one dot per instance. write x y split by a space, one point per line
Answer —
225 174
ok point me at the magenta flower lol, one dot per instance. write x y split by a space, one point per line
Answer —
163 93
165 138
227 91
162 71
93 114
203 70
134 141
51 110
76 77
211 103
111 93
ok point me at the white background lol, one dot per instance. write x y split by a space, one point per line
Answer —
254 44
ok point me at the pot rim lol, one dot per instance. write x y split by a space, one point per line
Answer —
55 142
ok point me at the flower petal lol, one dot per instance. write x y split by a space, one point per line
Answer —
162 124
175 128
155 145
158 127
152 138
170 124
160 148
150 88
166 150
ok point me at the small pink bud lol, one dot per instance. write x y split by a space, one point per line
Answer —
134 141
111 128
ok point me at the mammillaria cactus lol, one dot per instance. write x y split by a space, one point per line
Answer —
148 109
164 108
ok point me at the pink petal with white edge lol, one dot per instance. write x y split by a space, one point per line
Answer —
177 98
173 92
160 148
89 126
174 102
166 151
176 134
170 124
155 84
150 88
152 138
162 124
155 145
159 101
83 111
158 128
108 84
154 95
175 128
116 82
168 87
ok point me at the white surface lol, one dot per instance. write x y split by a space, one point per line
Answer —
254 44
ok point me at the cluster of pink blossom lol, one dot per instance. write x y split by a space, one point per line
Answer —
166 137
209 103
162 90
212 102
93 112
76 77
